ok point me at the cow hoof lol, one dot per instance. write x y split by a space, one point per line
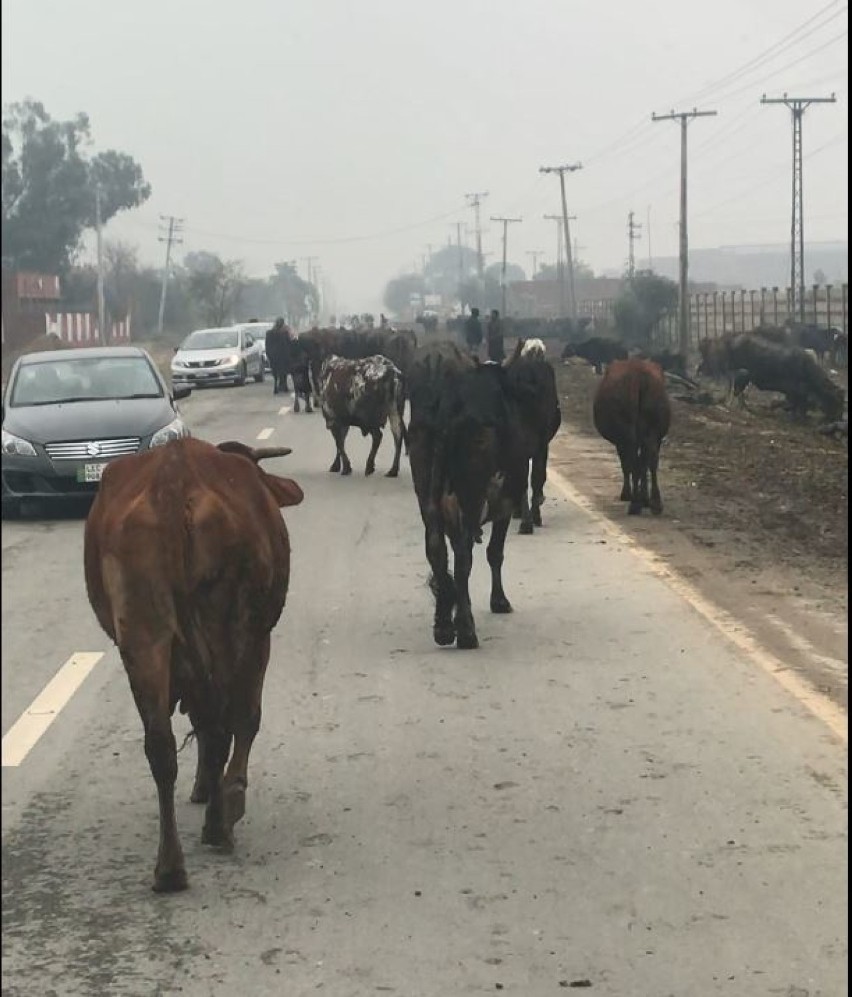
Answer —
467 641
368 471
656 508
235 803
536 518
346 470
200 794
217 837
444 634
335 467
501 605
635 509
172 881
526 529
393 473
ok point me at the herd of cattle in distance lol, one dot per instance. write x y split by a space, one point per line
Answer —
187 556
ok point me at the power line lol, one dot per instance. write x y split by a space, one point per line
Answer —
170 239
797 106
506 223
562 170
684 118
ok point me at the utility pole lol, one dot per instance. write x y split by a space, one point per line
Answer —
560 269
633 230
535 253
458 228
101 306
475 200
797 106
170 240
684 118
506 223
308 260
648 231
562 170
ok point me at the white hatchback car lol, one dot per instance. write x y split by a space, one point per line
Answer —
218 356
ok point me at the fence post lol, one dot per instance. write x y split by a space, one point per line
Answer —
843 293
742 309
762 305
715 314
816 306
775 306
724 320
706 313
788 299
751 295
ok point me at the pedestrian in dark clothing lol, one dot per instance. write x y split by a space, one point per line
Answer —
496 353
278 352
473 332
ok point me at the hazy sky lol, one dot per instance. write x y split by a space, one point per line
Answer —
283 128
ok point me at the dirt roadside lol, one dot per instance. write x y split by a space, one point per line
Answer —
755 518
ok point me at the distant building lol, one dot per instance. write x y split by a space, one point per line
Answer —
541 298
27 298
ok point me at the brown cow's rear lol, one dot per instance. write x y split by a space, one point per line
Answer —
187 564
632 411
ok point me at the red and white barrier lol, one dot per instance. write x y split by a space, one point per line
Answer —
81 328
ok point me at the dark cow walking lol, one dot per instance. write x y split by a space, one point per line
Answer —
278 345
597 351
533 387
187 563
632 411
365 394
468 468
300 371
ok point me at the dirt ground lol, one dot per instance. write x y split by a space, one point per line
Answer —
755 516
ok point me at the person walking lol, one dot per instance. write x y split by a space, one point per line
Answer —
496 353
473 332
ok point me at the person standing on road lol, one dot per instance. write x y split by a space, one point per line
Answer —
496 353
473 332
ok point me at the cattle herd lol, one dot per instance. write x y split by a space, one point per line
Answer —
187 555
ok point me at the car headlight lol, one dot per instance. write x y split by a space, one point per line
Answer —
231 361
177 363
15 445
175 430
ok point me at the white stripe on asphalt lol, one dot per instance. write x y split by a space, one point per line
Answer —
44 709
284 410
264 434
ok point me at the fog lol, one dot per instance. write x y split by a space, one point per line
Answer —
352 131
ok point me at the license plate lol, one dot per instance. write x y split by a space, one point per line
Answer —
90 472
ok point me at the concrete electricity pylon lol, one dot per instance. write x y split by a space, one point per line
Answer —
797 107
684 117
475 200
506 223
633 230
562 170
170 239
535 253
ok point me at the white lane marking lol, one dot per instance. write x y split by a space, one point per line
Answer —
820 706
264 434
44 709
284 410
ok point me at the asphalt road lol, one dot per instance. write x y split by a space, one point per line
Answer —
607 795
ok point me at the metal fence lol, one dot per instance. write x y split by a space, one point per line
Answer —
714 313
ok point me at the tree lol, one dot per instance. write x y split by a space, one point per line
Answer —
641 304
48 196
397 297
214 285
819 277
548 271
514 273
121 275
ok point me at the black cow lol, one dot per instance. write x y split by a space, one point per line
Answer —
366 394
597 351
468 468
300 371
532 382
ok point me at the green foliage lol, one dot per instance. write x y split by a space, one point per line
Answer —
641 305
48 193
397 297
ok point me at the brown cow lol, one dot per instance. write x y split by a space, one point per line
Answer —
632 411
187 563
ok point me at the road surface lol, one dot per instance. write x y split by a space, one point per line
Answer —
609 795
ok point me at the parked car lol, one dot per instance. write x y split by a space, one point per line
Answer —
258 331
218 356
68 413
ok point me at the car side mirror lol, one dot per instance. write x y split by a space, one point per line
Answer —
181 391
176 349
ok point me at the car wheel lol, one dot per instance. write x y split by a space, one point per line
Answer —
241 380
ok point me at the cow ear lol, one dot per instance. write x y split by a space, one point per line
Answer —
285 491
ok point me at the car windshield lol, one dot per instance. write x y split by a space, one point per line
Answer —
83 380
212 339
